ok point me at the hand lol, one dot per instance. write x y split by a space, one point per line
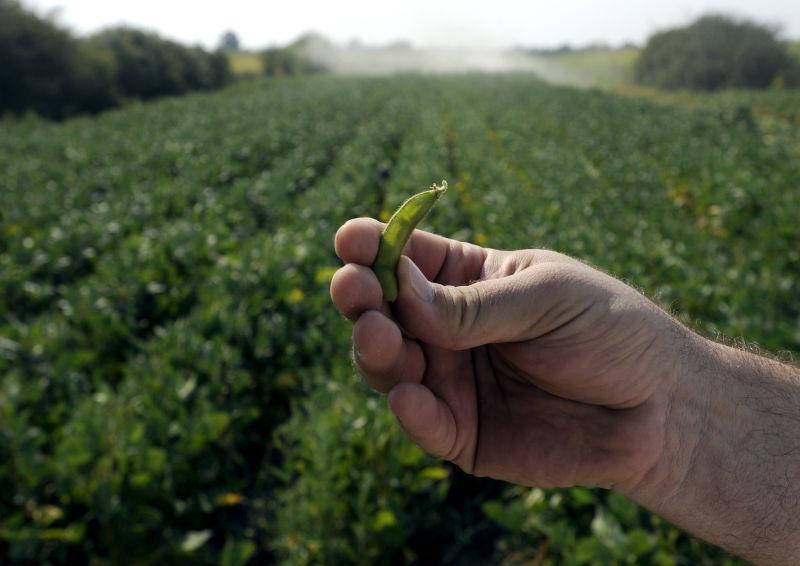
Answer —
527 366
532 367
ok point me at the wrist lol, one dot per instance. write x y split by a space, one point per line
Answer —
729 468
683 413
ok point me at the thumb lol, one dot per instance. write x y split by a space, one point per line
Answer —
447 316
520 306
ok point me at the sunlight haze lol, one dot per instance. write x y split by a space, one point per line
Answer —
502 23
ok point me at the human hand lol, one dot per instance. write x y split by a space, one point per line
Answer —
527 366
532 367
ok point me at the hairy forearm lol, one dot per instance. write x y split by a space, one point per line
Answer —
730 466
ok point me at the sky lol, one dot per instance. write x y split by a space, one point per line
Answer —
426 23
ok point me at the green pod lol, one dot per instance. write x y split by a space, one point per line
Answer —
397 232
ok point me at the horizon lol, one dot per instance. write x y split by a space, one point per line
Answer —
448 24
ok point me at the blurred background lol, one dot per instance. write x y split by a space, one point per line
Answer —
96 54
175 386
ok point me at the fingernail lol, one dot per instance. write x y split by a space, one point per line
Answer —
419 284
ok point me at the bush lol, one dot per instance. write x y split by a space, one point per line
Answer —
713 53
221 73
148 66
45 70
92 80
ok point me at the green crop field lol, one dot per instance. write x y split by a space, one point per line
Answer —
175 385
245 64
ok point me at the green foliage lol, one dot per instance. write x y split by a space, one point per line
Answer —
342 440
149 66
715 52
580 526
47 71
175 385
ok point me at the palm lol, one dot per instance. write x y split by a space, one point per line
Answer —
502 417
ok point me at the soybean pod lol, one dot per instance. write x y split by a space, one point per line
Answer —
397 232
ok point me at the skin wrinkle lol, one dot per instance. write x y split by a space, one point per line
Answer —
644 352
636 478
694 452
530 332
459 265
632 357
451 448
507 267
670 415
497 365
470 307
582 448
450 308
474 354
492 260
654 474
669 446
463 303
561 325
511 369
442 264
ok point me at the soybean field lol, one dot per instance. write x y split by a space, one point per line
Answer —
176 386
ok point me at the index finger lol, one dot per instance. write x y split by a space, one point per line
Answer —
357 242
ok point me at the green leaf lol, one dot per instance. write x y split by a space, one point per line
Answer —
640 542
237 552
216 423
73 533
195 539
607 530
623 508
588 550
155 459
434 473
510 516
408 454
581 496
383 519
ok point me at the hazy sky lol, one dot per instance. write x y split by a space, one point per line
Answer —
495 23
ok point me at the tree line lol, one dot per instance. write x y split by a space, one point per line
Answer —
717 52
45 69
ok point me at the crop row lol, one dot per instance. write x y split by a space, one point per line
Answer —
175 179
